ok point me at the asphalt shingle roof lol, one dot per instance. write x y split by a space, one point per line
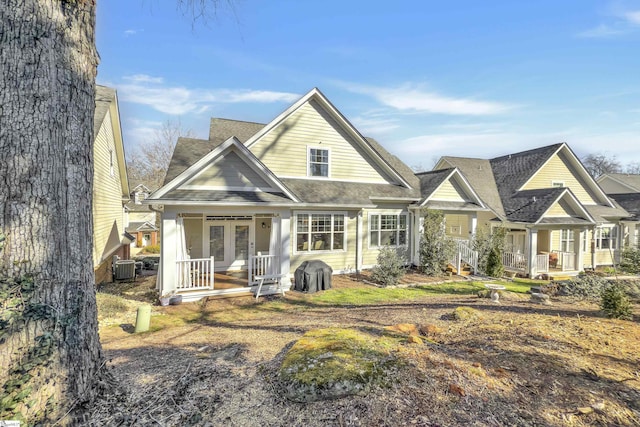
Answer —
104 98
513 170
632 180
189 150
479 174
631 203
225 196
430 181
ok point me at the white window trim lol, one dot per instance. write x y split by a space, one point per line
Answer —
397 214
309 251
567 239
315 147
614 232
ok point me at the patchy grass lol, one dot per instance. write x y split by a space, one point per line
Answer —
111 306
523 364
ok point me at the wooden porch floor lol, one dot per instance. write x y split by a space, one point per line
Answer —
230 279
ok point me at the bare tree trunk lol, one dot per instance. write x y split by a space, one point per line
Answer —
49 346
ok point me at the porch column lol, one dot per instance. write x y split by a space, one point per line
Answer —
631 227
580 252
473 225
416 232
532 251
168 252
359 237
285 246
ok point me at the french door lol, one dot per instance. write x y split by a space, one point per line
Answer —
230 243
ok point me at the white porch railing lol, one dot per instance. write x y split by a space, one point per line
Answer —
262 265
567 261
464 253
542 263
514 261
194 274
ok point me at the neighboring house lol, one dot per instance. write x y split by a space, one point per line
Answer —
557 217
110 185
625 190
140 220
305 186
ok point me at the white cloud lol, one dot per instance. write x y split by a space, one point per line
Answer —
131 32
602 31
143 78
411 98
633 17
178 100
625 22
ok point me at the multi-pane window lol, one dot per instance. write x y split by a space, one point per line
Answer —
320 232
607 237
387 230
318 162
567 241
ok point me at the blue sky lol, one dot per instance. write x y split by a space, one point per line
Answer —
425 78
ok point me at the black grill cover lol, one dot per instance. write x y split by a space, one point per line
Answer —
313 276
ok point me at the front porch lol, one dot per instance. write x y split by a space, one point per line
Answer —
195 281
545 263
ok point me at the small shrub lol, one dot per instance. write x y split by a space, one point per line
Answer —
495 268
436 248
151 249
615 303
587 286
390 267
630 261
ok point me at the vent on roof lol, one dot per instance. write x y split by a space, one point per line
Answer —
533 199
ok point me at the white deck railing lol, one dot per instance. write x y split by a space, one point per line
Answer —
464 253
514 261
262 265
542 263
567 260
194 274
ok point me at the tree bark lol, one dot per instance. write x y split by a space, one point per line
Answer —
48 65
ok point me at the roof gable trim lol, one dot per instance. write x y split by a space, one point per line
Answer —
198 166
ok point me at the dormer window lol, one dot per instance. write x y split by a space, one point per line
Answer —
318 162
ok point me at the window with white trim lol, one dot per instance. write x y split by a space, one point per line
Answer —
320 232
318 162
387 230
567 240
607 237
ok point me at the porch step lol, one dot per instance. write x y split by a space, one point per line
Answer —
559 277
466 270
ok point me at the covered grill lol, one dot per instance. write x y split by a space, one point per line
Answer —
313 276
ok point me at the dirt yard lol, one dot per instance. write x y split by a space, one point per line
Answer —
517 364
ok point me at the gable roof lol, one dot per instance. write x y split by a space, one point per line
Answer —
171 190
366 145
106 100
140 226
631 181
479 175
530 206
512 171
189 151
431 182
631 203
